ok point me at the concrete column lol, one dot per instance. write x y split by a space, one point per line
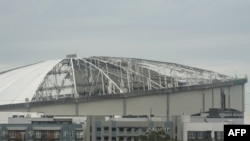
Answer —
167 106
229 97
124 105
203 101
212 98
76 107
243 98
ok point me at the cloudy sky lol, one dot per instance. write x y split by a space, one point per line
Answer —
208 34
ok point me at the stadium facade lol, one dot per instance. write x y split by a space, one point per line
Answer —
115 85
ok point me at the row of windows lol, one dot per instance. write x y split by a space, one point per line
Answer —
218 135
199 134
120 129
106 138
128 129
40 134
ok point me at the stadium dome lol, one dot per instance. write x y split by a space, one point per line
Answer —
74 77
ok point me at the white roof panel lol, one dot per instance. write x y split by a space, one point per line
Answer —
16 85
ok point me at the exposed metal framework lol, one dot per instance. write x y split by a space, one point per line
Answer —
79 77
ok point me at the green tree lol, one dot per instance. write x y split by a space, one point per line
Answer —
160 135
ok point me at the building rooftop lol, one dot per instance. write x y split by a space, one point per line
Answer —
86 77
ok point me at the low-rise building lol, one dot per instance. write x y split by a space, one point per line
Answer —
208 126
204 126
123 128
44 128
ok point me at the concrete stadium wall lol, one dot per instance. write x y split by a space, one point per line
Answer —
190 101
150 104
101 107
237 98
217 97
58 109
157 102
208 96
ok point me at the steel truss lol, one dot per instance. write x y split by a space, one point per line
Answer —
80 77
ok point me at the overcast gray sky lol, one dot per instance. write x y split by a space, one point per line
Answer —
208 34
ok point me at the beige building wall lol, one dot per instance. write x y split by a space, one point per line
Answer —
61 109
217 97
236 97
147 105
102 107
185 102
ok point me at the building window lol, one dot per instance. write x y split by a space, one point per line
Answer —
121 138
98 138
46 133
136 130
200 135
106 138
207 135
30 133
128 130
113 129
12 134
219 135
191 134
71 133
106 129
38 134
98 129
121 129
65 133
56 134
167 130
3 133
79 134
113 138
144 129
136 138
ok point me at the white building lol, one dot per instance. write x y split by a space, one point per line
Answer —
210 125
4 116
